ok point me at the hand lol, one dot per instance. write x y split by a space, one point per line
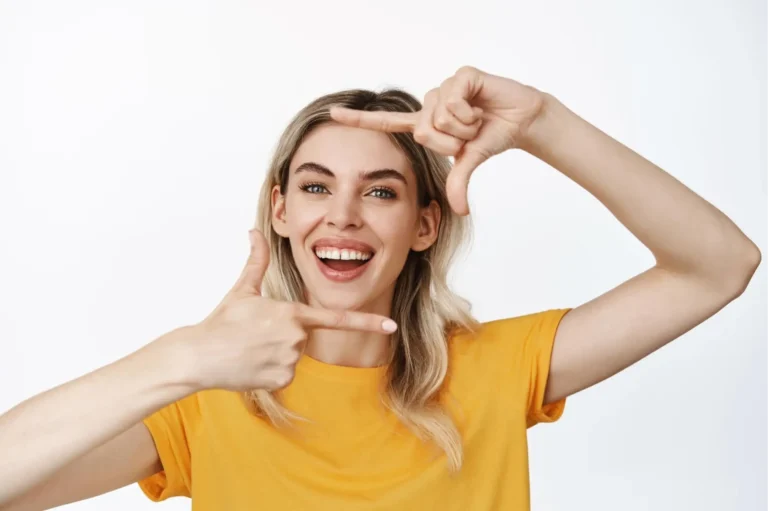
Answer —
252 342
472 116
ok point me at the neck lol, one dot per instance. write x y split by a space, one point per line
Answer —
349 347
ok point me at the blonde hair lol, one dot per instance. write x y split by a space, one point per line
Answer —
424 307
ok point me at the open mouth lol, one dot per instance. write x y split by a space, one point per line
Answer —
342 260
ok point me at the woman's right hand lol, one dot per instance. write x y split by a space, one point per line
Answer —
252 342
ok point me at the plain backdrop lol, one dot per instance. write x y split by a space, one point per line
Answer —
134 137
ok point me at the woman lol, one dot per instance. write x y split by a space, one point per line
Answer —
346 374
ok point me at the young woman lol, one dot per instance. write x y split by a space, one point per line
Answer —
341 372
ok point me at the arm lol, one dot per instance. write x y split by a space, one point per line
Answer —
129 457
703 260
50 445
75 425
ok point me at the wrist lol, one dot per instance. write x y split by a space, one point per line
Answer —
175 352
546 128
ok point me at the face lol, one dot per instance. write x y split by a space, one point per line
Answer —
351 213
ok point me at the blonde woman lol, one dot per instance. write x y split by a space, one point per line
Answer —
341 372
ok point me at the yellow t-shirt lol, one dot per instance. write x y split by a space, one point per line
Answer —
354 454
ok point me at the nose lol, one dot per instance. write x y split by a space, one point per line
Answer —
343 211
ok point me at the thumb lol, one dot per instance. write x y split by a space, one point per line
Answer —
457 185
255 267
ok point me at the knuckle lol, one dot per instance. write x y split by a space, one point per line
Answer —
442 121
298 335
431 95
269 356
466 70
453 102
289 357
421 135
284 378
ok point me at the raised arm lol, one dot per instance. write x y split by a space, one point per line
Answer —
703 260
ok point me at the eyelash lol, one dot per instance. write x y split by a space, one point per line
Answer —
306 187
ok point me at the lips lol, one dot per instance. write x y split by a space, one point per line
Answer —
345 268
342 243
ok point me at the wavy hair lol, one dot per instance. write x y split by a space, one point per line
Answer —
424 307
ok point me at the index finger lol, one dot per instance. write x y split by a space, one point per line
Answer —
344 320
391 122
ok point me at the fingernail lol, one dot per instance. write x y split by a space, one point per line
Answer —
388 325
250 237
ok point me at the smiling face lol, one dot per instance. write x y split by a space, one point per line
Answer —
351 214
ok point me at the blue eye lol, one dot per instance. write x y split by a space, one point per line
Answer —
313 188
383 193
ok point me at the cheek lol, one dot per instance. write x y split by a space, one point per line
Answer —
302 217
396 231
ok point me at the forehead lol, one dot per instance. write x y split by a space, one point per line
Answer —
345 149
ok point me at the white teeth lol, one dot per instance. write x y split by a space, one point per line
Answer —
343 254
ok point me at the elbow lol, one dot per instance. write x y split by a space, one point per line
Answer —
738 280
753 262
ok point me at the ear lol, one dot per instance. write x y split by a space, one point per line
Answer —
278 212
429 223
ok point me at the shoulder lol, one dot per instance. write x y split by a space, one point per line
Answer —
505 346
502 354
191 411
508 332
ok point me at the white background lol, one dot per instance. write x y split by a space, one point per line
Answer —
134 138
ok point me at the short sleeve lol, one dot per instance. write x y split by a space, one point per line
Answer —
172 428
539 342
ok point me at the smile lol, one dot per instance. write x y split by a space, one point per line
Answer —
342 260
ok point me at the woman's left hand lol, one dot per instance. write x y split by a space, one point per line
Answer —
472 116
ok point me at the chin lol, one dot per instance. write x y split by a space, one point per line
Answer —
342 300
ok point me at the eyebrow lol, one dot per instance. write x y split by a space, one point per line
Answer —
368 175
